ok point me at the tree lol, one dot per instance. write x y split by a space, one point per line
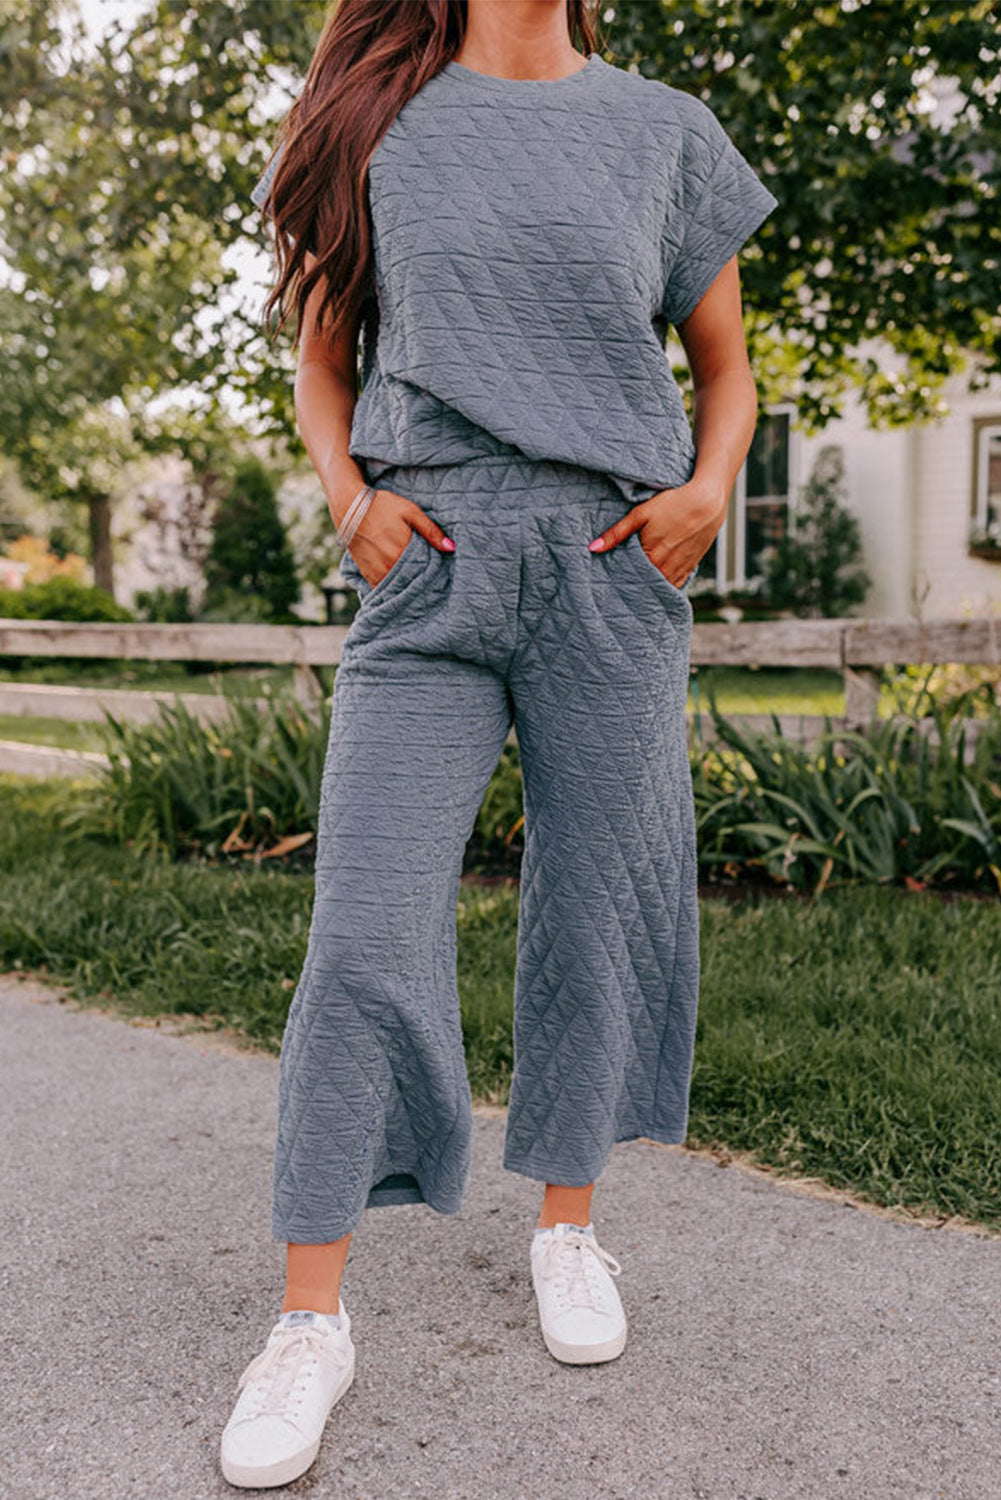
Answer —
876 125
106 304
91 458
250 570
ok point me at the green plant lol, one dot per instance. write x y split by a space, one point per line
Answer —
250 568
226 604
914 687
247 784
501 817
164 606
61 598
814 569
985 541
914 799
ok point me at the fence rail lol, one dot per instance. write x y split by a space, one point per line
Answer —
857 648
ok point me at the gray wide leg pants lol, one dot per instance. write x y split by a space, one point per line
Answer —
588 654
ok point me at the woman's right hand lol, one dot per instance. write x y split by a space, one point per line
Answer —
385 530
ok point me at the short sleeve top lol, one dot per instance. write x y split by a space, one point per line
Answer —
532 242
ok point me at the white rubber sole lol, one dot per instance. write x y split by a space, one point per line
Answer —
270 1476
585 1354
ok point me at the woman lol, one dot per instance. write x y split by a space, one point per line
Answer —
511 224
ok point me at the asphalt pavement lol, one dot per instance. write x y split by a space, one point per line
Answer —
783 1345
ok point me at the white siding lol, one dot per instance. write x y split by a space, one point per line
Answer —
911 491
956 583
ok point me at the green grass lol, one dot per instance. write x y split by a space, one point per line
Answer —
859 1040
63 734
856 1039
144 676
759 690
739 690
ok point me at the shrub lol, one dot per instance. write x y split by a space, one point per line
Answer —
250 569
61 598
47 557
178 786
163 606
814 569
911 800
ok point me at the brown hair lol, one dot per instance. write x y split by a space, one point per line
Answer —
372 56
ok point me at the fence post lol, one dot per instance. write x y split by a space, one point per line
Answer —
861 695
307 688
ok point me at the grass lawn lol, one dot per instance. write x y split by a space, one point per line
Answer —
63 734
738 689
758 690
857 1040
142 676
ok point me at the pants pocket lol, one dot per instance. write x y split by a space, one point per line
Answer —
396 570
649 568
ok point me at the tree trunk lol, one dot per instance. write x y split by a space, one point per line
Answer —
100 542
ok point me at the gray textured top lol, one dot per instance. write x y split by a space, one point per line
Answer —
533 240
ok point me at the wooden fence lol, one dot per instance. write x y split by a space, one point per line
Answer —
856 648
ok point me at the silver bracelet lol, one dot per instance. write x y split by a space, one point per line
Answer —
352 517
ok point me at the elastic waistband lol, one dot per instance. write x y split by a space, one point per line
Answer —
501 480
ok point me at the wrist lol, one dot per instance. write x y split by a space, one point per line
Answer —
342 489
352 518
710 493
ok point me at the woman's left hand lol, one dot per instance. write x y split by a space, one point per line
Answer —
676 528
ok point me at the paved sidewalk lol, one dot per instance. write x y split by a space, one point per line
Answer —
781 1345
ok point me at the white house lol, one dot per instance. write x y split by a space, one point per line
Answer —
917 491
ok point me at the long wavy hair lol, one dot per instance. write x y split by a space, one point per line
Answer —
372 56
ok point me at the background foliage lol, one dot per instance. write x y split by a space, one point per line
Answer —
128 172
250 569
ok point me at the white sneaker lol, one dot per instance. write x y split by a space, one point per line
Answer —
286 1393
583 1321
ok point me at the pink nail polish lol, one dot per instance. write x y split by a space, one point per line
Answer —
448 544
596 545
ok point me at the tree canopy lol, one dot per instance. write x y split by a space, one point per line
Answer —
128 168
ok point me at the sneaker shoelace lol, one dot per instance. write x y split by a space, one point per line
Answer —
288 1354
568 1263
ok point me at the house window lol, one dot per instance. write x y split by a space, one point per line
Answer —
758 515
766 490
987 479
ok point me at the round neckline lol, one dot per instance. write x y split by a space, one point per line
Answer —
473 75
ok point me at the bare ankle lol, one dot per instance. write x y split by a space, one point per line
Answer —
308 1300
313 1276
565 1205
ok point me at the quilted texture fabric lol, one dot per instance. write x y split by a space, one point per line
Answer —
587 653
533 240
